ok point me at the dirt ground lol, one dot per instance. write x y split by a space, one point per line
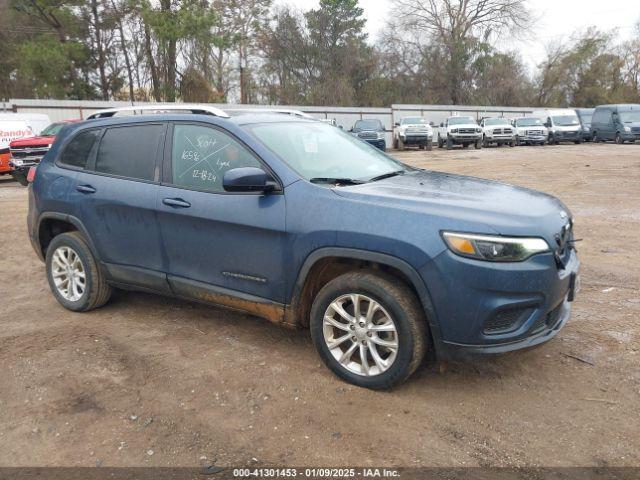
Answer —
150 381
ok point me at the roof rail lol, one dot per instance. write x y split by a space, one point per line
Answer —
201 109
283 111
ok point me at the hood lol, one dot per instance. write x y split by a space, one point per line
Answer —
33 141
460 200
464 125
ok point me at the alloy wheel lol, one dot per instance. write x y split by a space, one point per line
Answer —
68 273
360 334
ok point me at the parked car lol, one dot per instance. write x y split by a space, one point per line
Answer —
10 130
563 125
530 131
497 130
413 131
459 130
371 131
27 152
585 115
620 123
298 222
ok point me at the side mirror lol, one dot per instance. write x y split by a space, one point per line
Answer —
431 124
248 179
397 124
441 124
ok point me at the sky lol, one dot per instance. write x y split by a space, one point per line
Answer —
556 20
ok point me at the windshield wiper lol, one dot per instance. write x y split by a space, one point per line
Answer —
387 175
337 181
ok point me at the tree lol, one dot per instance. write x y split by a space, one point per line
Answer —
459 31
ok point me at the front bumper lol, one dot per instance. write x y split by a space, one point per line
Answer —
416 139
500 138
378 143
532 138
528 301
630 136
567 136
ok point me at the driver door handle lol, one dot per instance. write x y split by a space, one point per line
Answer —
85 189
176 202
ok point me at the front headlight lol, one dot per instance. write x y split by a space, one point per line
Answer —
454 130
494 248
380 135
17 163
627 129
478 130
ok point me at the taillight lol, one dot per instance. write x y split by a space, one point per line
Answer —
31 175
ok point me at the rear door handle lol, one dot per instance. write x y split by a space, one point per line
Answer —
85 189
176 202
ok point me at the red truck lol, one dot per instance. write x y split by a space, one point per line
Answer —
27 152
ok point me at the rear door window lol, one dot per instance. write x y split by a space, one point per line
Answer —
202 155
131 151
76 153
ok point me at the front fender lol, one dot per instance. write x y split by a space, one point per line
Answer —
374 257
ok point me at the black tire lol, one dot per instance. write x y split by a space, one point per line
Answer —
594 137
449 143
401 145
395 143
407 314
440 142
96 291
478 144
618 139
429 145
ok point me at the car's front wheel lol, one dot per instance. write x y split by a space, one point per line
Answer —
74 275
369 329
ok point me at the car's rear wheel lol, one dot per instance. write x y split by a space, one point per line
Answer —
74 275
369 329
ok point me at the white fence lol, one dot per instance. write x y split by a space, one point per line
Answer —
345 116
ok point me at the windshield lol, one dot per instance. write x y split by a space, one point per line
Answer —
414 121
630 117
586 118
368 125
565 120
461 120
52 129
496 121
315 150
529 122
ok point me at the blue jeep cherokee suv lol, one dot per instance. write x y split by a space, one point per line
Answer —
297 222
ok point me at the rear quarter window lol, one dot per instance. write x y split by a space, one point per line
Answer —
77 151
131 151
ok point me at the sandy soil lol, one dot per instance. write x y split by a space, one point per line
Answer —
151 381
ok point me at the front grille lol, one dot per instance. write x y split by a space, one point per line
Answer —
507 320
31 152
570 134
534 132
563 244
466 130
368 135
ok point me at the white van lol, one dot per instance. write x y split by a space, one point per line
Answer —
11 130
36 121
563 124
